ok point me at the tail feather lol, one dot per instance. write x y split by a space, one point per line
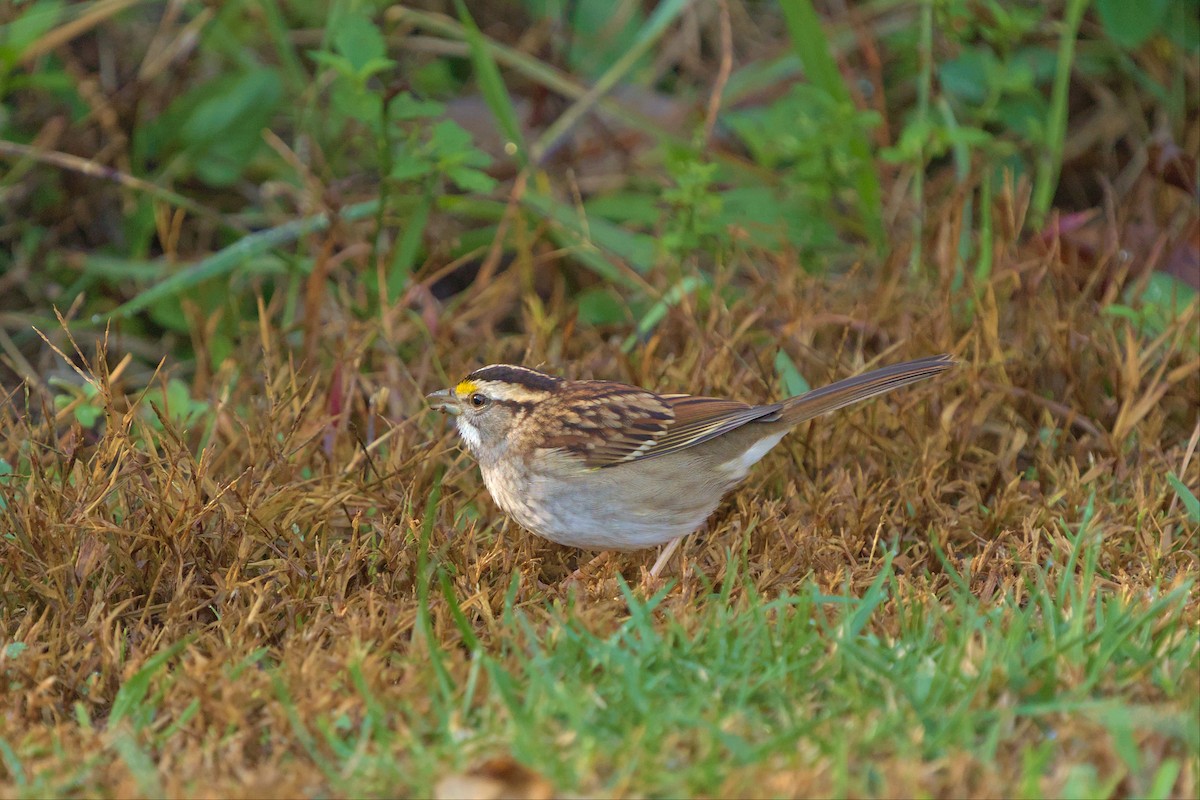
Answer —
862 387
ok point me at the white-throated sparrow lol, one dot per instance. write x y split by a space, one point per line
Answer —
606 466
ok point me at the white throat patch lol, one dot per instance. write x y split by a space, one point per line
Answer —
471 436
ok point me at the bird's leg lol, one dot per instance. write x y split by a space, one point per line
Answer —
663 558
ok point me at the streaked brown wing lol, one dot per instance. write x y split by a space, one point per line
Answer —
606 423
699 419
635 424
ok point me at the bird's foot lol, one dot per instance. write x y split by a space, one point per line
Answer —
651 579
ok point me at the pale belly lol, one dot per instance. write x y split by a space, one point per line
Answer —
597 516
627 507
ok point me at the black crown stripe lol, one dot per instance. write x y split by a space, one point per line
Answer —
521 376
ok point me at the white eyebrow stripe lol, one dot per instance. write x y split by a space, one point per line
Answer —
509 391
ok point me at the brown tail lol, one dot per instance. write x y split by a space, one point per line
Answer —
862 387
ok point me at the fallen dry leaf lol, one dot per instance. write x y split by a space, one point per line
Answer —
494 779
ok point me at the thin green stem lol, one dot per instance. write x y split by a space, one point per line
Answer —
924 89
1049 162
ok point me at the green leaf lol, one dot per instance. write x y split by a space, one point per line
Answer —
224 131
16 36
409 164
357 38
1023 115
374 66
405 107
233 107
793 382
1168 295
470 640
810 44
636 249
1163 299
791 215
601 306
966 77
87 415
1190 502
471 180
641 208
447 136
338 63
179 399
1131 23
1182 26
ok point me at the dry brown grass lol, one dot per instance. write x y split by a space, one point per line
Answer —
283 551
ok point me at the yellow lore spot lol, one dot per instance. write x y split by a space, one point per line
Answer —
465 388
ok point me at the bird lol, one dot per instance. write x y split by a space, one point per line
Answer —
606 466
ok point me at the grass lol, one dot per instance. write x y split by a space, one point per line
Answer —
952 592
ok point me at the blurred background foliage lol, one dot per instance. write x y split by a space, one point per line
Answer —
167 166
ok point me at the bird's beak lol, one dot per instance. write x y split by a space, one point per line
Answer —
444 400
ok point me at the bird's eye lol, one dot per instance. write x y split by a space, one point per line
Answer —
478 400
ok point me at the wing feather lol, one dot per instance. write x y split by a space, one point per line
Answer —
637 424
699 419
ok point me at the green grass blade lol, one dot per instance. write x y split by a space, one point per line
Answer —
460 619
139 763
491 84
983 266
563 84
134 690
1049 160
405 256
12 763
793 382
875 595
672 297
228 259
587 239
664 14
299 729
1164 779
1190 502
424 621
